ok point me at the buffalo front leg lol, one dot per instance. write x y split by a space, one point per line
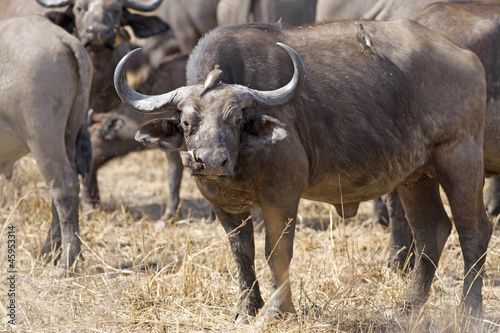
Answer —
174 177
280 230
239 229
431 227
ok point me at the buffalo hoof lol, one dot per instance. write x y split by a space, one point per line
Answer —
403 261
242 319
48 255
89 205
61 272
270 317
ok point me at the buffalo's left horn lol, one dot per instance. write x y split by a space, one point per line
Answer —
269 99
142 6
55 3
145 103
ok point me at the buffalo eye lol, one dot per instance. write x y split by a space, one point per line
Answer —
238 121
186 124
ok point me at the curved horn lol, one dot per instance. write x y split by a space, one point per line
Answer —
55 3
142 6
145 103
270 99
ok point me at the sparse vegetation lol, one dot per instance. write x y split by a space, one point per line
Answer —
141 274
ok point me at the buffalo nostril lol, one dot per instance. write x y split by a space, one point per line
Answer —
224 163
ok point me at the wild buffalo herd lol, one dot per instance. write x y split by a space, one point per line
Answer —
267 102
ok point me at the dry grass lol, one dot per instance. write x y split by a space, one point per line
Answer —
141 275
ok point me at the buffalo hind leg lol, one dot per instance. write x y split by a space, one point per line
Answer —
90 191
380 212
464 189
62 179
431 227
239 229
53 241
402 251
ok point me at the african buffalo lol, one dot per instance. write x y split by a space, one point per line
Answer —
99 24
44 92
477 27
350 130
112 133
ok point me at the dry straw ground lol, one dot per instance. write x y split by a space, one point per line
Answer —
142 275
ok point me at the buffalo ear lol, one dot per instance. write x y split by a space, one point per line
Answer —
163 133
144 26
65 20
261 130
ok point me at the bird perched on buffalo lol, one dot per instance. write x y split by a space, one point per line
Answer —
365 40
213 79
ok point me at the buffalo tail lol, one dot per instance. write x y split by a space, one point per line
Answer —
83 157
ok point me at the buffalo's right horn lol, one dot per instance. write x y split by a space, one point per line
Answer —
145 103
142 6
55 3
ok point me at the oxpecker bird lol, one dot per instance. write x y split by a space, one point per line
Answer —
213 78
365 40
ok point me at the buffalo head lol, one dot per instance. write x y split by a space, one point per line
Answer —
211 119
99 23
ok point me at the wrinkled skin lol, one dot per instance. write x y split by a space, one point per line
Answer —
476 27
58 72
112 133
355 130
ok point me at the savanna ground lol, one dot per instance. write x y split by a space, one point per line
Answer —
141 274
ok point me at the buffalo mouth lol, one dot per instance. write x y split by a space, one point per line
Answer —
210 175
206 169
